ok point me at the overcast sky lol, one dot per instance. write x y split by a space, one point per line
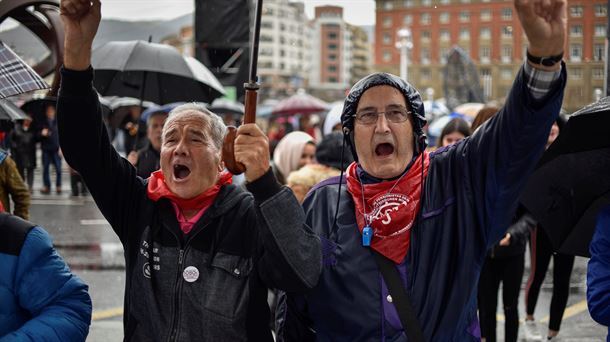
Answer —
358 12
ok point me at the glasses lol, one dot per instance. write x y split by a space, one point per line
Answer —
369 117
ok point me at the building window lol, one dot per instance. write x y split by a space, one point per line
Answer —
444 54
485 54
387 38
332 57
332 35
485 72
407 19
408 3
485 15
332 46
600 10
444 17
465 1
507 13
282 53
426 2
598 73
600 30
425 18
576 31
507 32
598 52
464 16
576 11
576 73
266 38
332 68
485 33
387 21
332 80
425 56
445 2
267 24
445 35
507 53
575 52
464 33
425 35
506 73
387 56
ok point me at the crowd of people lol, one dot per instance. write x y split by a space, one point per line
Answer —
364 234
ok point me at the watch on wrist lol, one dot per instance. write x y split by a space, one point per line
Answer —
546 61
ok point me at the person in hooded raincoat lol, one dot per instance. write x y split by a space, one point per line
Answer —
433 215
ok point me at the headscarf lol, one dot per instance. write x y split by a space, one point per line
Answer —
288 152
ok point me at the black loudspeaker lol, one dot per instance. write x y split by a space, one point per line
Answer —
222 35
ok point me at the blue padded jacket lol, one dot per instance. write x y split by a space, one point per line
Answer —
41 299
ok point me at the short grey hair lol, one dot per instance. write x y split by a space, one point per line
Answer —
214 122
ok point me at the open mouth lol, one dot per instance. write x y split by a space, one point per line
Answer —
384 149
181 171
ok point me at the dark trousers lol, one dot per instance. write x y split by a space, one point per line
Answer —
49 158
509 272
541 252
27 174
77 185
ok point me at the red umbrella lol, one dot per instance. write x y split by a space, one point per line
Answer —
300 103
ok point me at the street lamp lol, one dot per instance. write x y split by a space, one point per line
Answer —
404 44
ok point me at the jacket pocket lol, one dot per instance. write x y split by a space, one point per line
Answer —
226 285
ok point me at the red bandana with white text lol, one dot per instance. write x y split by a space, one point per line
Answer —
157 189
389 211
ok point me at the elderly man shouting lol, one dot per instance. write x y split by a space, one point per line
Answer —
404 248
200 253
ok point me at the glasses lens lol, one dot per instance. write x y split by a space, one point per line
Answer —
396 115
367 117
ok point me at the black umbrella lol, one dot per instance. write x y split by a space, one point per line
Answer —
119 108
571 182
152 72
37 109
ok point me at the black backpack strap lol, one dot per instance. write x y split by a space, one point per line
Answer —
400 298
13 231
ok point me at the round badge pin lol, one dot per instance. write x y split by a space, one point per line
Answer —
190 274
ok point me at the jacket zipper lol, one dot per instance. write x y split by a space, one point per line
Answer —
178 287
176 290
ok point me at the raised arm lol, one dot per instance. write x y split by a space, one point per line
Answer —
503 152
84 141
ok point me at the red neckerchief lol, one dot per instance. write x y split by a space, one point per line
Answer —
391 207
158 189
